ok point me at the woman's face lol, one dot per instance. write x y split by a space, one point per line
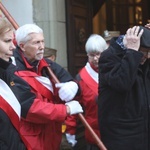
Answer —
93 58
6 45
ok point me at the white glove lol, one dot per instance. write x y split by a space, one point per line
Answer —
71 139
67 90
74 107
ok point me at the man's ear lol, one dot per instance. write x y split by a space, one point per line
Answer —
22 46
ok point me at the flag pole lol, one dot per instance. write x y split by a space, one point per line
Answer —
85 123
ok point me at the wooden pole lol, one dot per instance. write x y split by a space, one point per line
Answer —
85 123
8 16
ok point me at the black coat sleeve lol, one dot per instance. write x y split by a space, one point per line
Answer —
60 72
19 87
118 70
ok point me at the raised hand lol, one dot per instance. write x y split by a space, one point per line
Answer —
132 38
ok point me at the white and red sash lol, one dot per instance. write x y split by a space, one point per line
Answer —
90 77
10 105
40 84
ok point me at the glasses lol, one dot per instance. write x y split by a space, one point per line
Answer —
93 55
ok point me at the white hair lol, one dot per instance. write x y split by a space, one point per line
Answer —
22 32
95 43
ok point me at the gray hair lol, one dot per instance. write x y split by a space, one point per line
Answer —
22 32
95 43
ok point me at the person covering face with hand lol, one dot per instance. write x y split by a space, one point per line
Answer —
124 99
43 115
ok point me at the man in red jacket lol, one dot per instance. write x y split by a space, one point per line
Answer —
43 115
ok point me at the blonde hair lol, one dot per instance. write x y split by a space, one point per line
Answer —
5 26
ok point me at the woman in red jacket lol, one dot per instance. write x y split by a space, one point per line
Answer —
88 82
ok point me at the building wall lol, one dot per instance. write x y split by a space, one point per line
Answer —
49 15
20 10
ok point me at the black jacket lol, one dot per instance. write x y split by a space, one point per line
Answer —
9 137
124 99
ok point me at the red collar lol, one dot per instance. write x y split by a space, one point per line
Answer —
42 63
93 67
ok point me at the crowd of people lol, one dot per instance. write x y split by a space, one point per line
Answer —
111 91
43 104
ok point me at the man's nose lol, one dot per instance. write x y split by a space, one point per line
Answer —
41 44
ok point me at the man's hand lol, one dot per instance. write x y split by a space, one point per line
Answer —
132 38
73 107
67 90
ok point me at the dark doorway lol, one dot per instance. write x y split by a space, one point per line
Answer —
79 26
122 14
118 15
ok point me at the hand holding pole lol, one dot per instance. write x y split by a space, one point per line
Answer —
85 123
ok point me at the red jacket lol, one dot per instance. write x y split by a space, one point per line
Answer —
88 98
42 126
42 116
